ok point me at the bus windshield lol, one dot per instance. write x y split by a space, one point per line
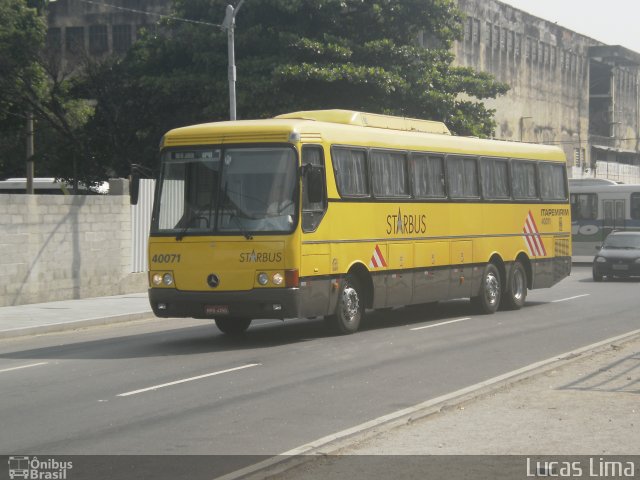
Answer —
233 190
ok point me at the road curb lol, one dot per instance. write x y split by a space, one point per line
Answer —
75 325
334 444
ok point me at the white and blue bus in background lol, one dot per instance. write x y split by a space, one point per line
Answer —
599 207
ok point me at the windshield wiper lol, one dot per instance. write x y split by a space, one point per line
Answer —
234 213
244 232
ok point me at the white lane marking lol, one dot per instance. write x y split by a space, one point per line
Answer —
313 448
442 323
571 298
156 387
24 366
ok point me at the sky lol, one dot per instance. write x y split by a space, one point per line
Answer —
614 22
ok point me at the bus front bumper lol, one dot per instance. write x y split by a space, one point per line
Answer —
277 303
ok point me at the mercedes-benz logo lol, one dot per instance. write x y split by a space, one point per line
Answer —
213 280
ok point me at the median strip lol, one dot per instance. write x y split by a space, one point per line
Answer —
184 380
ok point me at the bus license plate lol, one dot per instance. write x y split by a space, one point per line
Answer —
620 267
216 309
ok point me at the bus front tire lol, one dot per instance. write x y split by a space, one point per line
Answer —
233 326
488 299
350 308
516 289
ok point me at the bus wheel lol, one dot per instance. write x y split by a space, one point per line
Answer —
488 299
350 308
516 291
233 326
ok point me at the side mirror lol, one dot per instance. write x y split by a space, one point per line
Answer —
134 188
315 184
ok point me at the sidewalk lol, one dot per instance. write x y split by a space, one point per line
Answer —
71 314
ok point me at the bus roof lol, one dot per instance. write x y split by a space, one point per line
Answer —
362 119
604 188
348 127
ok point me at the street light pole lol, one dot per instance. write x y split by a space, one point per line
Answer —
229 24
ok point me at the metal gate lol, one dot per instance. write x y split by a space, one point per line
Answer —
140 225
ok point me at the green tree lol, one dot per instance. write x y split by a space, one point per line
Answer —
33 79
290 55
22 34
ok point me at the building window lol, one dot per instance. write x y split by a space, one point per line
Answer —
98 39
74 39
121 38
54 40
577 157
467 29
518 45
475 34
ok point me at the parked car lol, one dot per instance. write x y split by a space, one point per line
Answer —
619 256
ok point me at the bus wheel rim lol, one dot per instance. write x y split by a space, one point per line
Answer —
492 288
518 285
350 304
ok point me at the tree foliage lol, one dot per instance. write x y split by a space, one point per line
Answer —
291 55
22 35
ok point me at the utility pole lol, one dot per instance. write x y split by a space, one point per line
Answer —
30 167
229 24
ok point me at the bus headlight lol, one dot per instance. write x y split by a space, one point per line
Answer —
263 278
162 279
277 279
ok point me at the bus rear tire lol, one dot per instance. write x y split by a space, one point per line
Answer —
233 326
488 299
350 308
516 288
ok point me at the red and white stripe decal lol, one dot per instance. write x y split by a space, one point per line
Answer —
532 237
377 259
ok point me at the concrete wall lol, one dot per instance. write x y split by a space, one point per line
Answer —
59 247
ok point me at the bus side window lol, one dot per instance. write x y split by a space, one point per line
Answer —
312 211
635 206
584 206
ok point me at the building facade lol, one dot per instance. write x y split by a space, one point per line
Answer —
566 89
96 28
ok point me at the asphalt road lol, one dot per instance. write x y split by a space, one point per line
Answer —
180 387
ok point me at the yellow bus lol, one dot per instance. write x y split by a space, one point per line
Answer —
332 212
